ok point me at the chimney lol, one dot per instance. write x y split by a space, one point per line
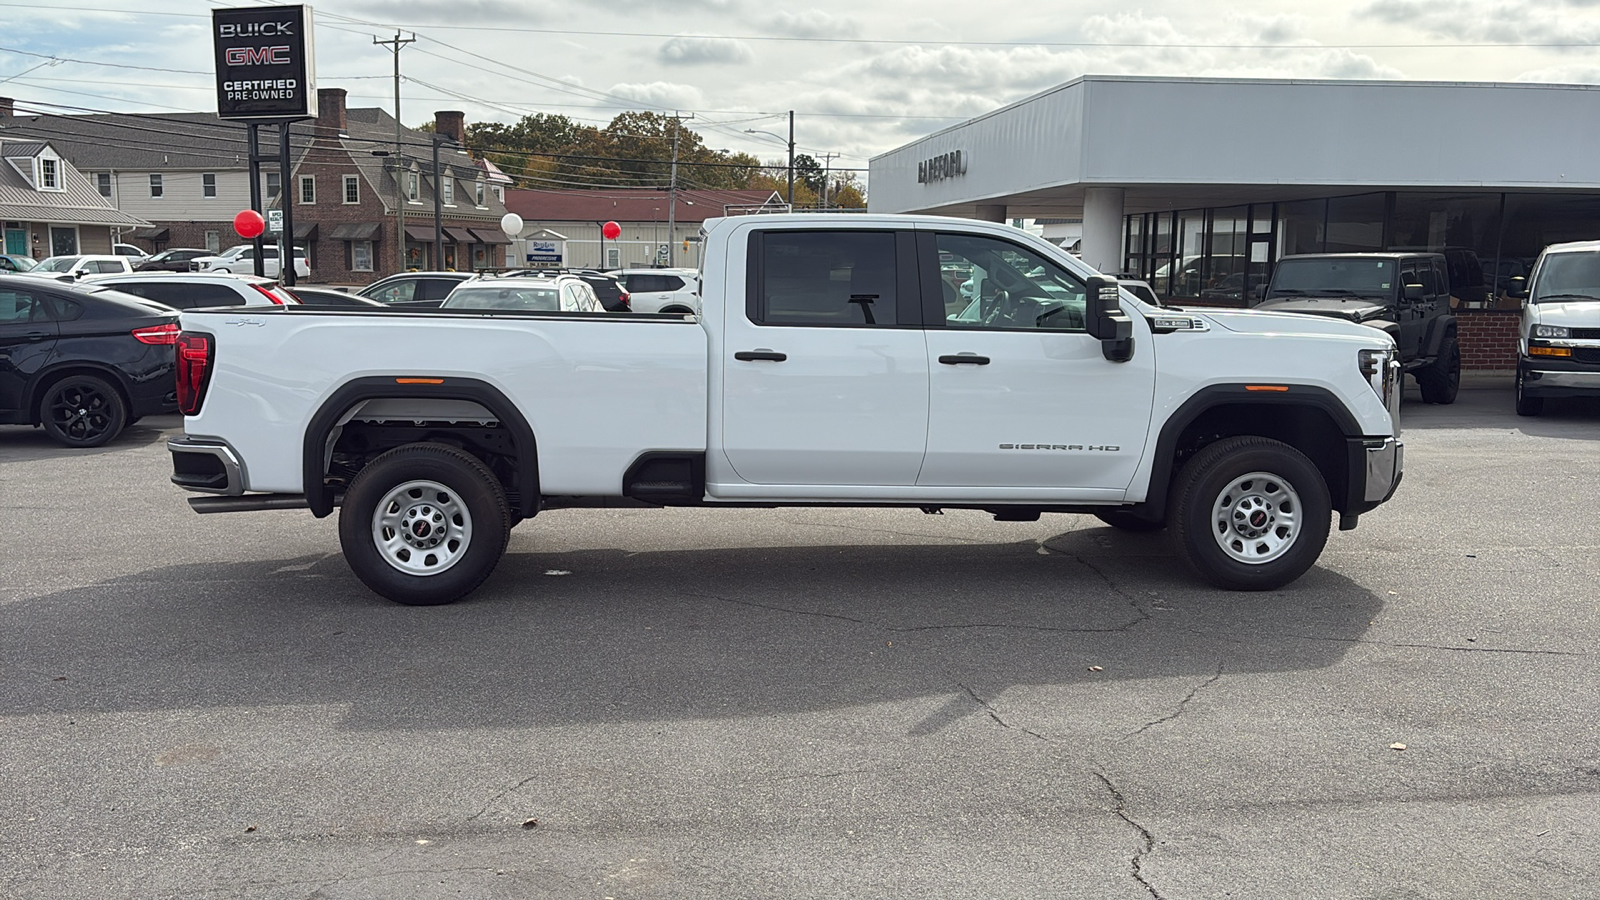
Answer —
7 107
452 123
330 110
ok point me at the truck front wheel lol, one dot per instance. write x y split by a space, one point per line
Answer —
424 524
1251 514
1441 381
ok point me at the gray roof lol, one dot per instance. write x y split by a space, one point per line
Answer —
24 149
141 140
77 204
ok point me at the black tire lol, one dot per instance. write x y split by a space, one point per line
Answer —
1206 485
1526 405
1440 381
460 494
1128 520
82 411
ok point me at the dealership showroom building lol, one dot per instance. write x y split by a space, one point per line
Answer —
1199 185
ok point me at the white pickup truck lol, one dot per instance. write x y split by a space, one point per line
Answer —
834 362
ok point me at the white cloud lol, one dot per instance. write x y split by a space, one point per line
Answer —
662 94
695 51
813 23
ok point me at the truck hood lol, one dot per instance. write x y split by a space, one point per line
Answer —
1259 321
1351 309
1573 314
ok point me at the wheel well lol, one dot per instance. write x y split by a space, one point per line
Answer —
47 379
1309 429
369 417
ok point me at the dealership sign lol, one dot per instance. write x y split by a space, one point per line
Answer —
945 165
546 252
266 63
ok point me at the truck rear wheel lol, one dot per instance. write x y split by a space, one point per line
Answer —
424 524
1251 514
1440 381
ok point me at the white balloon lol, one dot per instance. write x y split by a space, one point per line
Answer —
511 224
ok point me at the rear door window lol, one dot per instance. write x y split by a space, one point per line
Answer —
838 278
435 288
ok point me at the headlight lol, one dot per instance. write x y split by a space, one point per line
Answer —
1381 368
1551 331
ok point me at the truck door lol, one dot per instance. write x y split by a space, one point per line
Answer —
824 366
1413 316
1021 396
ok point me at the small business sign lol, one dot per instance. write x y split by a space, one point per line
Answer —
544 252
938 168
274 221
266 62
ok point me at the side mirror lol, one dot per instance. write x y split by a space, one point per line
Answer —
1517 288
1412 293
1103 318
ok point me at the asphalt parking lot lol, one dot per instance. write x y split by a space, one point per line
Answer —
807 703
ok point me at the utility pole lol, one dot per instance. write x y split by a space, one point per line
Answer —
791 159
672 185
827 168
395 44
438 208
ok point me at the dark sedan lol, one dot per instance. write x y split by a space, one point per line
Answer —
177 260
317 296
83 364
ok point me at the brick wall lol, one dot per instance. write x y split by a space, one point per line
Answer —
1488 338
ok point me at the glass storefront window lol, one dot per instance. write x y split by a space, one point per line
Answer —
1183 273
1355 224
1161 255
1302 227
1226 260
1464 227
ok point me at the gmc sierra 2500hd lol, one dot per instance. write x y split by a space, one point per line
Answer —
834 362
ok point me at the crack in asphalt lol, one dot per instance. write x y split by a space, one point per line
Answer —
496 798
996 716
1147 840
1410 646
1182 705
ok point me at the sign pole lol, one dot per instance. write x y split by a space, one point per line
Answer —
286 200
255 190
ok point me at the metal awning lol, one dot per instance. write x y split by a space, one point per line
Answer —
460 235
150 234
419 233
305 231
490 236
355 231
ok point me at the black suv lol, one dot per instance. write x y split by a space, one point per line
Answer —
83 362
1406 295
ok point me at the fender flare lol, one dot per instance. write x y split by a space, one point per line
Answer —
1438 330
1215 395
320 499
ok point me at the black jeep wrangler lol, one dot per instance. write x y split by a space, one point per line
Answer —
1404 294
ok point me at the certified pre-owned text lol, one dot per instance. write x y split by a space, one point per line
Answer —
267 89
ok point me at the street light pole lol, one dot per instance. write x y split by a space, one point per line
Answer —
791 160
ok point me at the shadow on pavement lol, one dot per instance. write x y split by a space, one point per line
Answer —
20 443
608 636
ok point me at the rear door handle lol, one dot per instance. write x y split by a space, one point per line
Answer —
763 354
34 337
964 359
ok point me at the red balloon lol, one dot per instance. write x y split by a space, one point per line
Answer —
611 230
249 224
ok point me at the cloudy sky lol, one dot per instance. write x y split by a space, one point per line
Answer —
863 76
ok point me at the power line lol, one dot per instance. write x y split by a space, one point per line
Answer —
902 42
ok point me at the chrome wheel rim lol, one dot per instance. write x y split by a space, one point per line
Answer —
80 412
422 528
1256 518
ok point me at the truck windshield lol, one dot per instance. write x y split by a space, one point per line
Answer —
1363 277
1568 276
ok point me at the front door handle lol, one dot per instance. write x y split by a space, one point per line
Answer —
34 337
964 359
762 354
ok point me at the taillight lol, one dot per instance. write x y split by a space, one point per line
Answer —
157 334
627 300
267 292
194 370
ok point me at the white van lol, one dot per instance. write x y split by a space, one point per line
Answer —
1559 345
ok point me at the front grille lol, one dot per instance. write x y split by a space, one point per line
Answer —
1591 334
1586 354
